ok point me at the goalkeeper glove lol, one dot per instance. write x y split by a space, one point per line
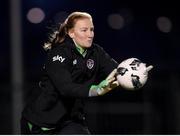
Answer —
105 86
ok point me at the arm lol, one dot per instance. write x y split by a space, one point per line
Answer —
106 74
107 63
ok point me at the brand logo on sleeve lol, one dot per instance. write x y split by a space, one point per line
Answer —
58 58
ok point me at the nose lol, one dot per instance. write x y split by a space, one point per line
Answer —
90 34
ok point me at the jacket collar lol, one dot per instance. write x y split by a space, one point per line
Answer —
69 42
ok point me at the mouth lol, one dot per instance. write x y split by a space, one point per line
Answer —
90 41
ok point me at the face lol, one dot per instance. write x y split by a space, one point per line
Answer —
83 32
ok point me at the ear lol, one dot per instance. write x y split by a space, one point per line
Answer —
71 33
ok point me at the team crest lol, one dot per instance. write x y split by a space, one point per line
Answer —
90 63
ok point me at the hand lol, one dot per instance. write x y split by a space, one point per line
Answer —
106 85
145 69
111 82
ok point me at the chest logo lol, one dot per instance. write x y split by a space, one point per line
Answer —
58 58
90 63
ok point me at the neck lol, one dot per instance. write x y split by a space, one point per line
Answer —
80 49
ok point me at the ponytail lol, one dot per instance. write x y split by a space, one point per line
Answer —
57 36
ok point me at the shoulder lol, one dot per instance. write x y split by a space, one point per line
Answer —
98 48
59 53
60 48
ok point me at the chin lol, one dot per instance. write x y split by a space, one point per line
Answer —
87 46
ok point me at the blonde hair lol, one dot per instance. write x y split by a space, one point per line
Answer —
59 35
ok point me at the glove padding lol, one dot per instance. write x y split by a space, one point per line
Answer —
106 85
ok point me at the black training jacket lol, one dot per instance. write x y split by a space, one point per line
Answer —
67 78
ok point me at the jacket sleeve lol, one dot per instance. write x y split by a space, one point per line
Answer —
107 63
58 69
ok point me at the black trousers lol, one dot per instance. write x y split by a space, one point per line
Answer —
69 127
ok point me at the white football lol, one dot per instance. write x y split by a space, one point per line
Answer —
132 74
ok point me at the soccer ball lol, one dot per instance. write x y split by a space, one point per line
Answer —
132 74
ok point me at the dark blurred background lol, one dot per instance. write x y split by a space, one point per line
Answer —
148 30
